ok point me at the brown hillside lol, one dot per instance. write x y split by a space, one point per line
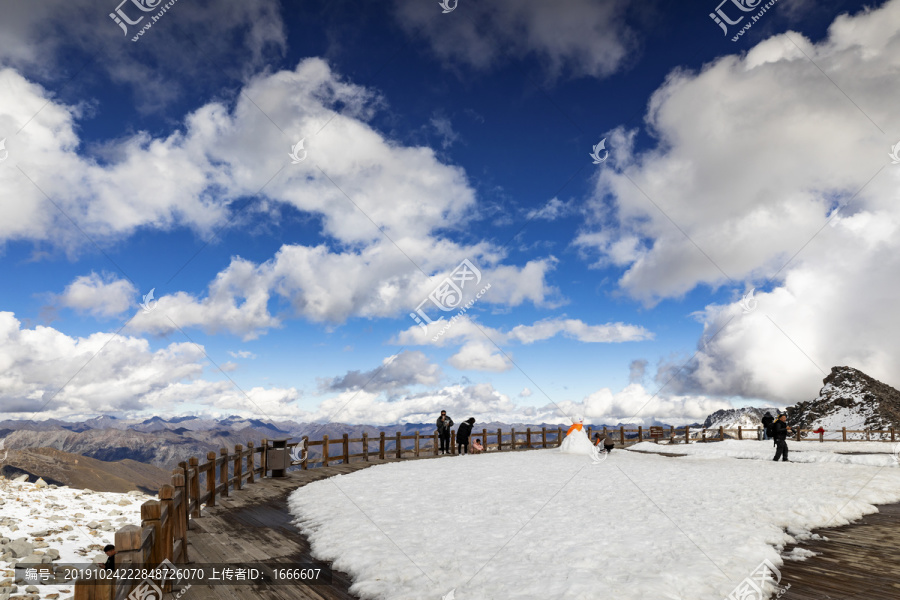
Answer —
73 470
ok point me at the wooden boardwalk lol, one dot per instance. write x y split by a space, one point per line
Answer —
860 561
254 525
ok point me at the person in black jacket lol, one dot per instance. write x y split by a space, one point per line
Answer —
110 551
767 422
462 436
780 430
444 423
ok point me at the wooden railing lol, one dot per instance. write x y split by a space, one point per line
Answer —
163 533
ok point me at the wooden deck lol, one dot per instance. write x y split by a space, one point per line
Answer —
254 525
860 561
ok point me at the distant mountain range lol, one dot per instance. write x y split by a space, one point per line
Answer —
166 442
849 399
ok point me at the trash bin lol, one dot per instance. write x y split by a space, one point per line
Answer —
277 458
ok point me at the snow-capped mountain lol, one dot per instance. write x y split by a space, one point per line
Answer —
748 417
850 399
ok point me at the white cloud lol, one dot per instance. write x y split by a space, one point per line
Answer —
353 176
45 373
99 295
755 152
553 210
241 354
576 37
480 356
397 371
465 329
525 393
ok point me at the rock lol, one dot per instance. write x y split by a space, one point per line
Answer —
21 479
53 553
32 559
40 483
52 596
135 493
20 548
78 515
32 589
93 525
41 545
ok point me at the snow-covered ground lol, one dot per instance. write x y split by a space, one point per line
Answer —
875 454
70 526
542 524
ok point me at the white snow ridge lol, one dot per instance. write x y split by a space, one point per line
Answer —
544 524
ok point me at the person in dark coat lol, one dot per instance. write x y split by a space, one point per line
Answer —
767 422
462 436
110 551
780 430
444 423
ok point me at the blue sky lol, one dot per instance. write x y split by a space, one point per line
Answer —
431 138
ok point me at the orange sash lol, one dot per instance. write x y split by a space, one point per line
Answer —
573 428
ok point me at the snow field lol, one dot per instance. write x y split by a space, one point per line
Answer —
542 524
69 525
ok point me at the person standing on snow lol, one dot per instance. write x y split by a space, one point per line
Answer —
462 436
780 430
444 423
767 422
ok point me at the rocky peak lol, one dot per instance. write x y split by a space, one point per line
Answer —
849 398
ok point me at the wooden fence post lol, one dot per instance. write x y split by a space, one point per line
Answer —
346 448
512 438
892 434
128 555
381 447
527 438
223 473
251 461
798 434
150 511
622 436
640 433
399 445
543 437
452 442
559 436
305 465
194 463
263 458
484 439
166 527
436 446
179 525
844 433
366 446
822 436
740 433
687 434
416 445
238 467
211 478
324 450
721 433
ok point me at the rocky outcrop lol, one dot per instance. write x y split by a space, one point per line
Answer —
849 398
